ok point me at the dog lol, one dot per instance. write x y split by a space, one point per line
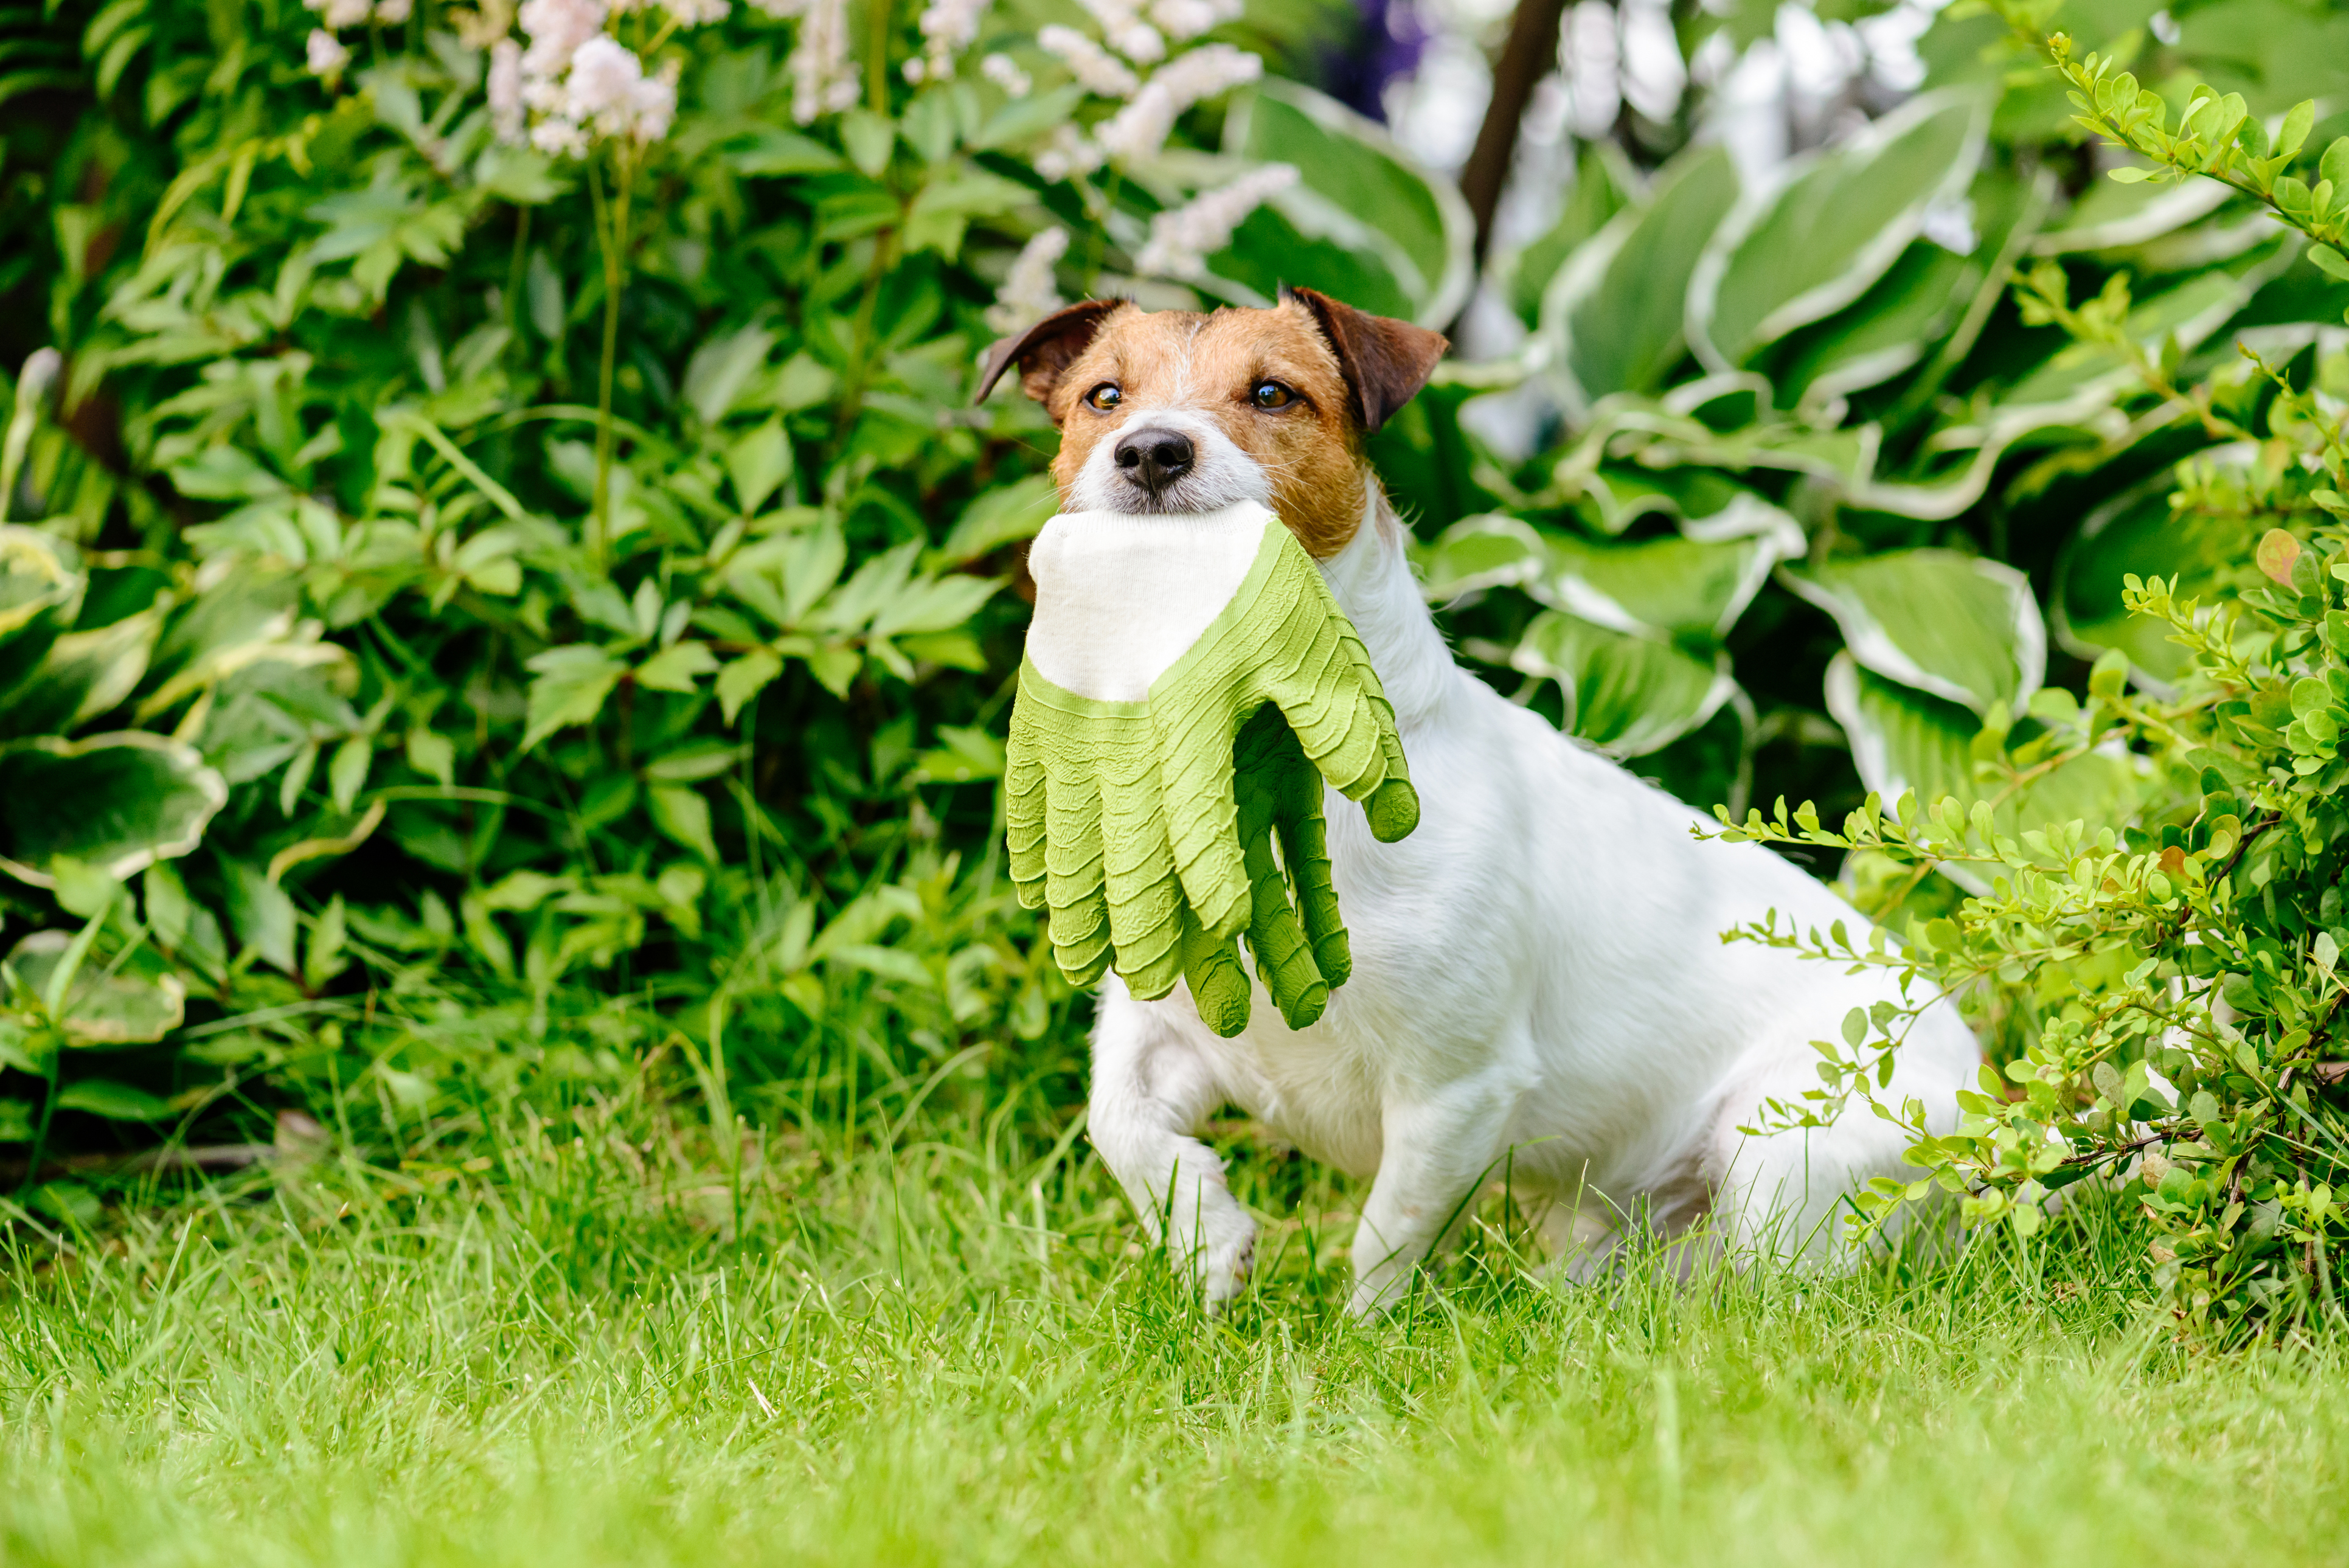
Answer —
1540 982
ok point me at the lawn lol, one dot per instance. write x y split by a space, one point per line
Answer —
600 1346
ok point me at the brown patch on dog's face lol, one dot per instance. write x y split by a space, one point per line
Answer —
1177 411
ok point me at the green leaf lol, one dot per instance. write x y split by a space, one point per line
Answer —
770 150
999 517
1615 315
934 604
2335 165
1962 628
1604 184
1364 223
1626 694
721 367
434 755
1685 586
946 205
675 668
868 137
2138 532
41 587
103 1006
680 812
745 679
570 688
758 465
693 761
2329 261
1904 740
347 774
116 802
2109 216
1818 242
82 675
261 913
961 756
115 1102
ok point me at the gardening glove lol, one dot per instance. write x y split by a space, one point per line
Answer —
1189 682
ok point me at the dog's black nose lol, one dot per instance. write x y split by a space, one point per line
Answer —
1153 459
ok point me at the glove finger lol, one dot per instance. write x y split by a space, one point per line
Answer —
1289 793
1144 896
1219 986
1023 817
1197 777
1283 961
1077 918
1304 847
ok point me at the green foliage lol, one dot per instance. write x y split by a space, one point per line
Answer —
486 562
1881 354
2166 994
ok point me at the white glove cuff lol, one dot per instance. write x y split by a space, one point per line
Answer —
1120 596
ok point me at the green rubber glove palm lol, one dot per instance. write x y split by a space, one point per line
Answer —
1155 831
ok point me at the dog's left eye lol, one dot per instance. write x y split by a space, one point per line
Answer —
1272 394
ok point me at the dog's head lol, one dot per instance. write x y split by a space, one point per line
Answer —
1173 411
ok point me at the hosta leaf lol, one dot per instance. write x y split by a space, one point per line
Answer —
116 802
1363 224
104 1007
1881 333
1965 629
1815 245
1489 550
1930 300
2109 216
2083 377
1615 315
1604 184
83 674
2139 532
40 580
1690 586
1626 694
1903 741
1693 586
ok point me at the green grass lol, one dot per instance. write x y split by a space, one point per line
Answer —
603 1350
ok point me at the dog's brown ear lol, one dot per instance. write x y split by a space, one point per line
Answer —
1385 361
1045 349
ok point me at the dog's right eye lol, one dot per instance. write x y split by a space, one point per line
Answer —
1104 397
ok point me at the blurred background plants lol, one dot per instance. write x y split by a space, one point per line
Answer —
503 584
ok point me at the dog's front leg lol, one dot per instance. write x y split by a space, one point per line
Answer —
1150 1088
1436 1149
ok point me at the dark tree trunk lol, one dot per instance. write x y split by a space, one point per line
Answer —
1530 54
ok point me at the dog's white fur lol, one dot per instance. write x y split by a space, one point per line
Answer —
1539 979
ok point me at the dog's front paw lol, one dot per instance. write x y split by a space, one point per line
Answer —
1226 1257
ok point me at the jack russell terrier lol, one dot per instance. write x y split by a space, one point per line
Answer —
1539 977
